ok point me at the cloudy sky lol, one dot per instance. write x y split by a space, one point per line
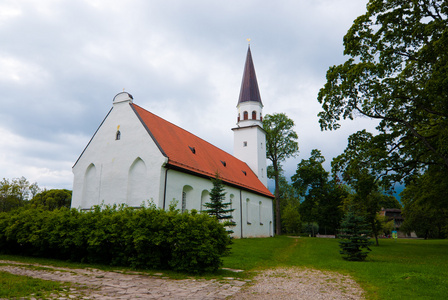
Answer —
62 62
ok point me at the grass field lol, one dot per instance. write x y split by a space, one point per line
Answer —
402 269
13 286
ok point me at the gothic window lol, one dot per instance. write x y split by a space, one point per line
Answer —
205 197
254 115
137 183
245 115
90 193
118 135
186 194
184 201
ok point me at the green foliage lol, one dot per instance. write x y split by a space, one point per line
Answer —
281 143
13 193
289 206
396 74
426 204
322 198
354 237
387 226
217 207
52 199
139 238
291 219
281 139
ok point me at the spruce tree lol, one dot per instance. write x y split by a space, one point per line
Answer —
355 237
217 207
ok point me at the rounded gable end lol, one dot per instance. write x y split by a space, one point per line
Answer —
123 97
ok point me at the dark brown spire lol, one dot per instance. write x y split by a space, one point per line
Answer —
249 87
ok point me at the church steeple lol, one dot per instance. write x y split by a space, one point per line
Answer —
249 103
249 136
249 86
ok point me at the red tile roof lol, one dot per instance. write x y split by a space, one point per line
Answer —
189 153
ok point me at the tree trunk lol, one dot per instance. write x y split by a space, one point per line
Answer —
278 223
374 231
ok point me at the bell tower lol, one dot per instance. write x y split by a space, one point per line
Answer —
249 136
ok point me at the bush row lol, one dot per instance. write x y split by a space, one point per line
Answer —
139 238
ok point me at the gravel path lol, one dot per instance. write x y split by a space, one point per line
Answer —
287 283
300 283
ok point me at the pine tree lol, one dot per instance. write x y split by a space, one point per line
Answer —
217 207
355 237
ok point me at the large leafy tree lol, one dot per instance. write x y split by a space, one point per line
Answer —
397 73
321 196
281 143
425 204
310 182
15 192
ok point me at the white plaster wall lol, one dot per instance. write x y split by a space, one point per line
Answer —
259 227
113 159
254 154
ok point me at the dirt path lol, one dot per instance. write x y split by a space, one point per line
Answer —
290 283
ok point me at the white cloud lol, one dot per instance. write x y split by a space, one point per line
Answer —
63 62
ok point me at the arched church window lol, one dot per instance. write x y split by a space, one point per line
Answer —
238 117
259 212
118 135
254 115
246 115
232 196
205 197
186 194
136 187
184 201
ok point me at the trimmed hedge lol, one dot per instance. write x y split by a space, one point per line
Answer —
148 238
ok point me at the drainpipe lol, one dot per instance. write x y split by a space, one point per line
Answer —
241 213
164 188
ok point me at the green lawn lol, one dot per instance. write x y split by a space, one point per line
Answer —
402 269
412 269
13 286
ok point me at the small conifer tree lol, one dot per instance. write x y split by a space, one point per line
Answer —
217 207
354 233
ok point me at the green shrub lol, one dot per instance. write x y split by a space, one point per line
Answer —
139 238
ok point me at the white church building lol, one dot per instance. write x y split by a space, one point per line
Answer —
135 157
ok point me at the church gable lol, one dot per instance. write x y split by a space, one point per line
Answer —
123 159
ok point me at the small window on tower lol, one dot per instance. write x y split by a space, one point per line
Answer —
244 144
254 115
245 115
118 135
